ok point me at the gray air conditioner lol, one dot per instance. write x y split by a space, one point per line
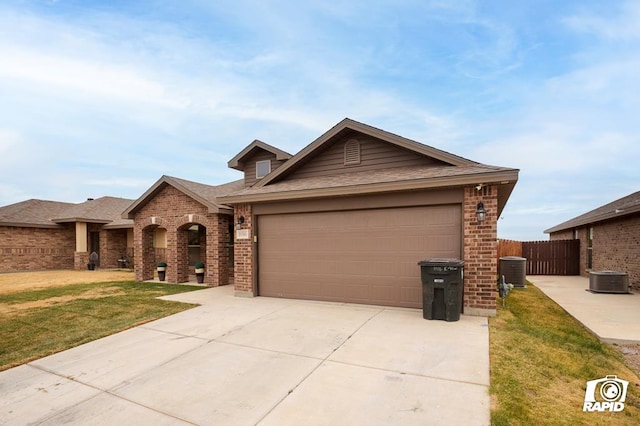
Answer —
514 270
608 282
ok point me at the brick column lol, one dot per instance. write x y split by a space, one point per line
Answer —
217 271
222 237
143 252
480 252
80 260
243 253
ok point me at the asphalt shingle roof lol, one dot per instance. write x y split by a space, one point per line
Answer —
50 213
210 192
397 174
621 207
32 212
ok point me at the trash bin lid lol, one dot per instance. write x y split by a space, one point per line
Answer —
441 262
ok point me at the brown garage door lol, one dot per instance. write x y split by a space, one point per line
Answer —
364 256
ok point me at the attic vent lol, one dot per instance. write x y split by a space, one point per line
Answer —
351 152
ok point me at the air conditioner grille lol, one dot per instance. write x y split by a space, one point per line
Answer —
608 282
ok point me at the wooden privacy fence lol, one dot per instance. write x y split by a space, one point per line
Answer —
509 248
559 257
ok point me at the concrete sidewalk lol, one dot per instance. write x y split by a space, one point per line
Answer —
266 361
614 318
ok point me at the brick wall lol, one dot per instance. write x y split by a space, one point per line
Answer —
563 235
23 248
616 245
176 212
113 245
243 253
480 252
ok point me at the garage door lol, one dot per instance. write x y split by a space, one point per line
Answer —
364 256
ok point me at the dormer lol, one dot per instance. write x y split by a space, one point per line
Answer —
257 161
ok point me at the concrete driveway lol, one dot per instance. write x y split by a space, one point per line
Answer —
266 361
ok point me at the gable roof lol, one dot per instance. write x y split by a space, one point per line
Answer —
204 194
50 214
624 206
453 171
348 124
236 162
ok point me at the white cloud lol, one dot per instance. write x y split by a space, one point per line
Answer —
624 26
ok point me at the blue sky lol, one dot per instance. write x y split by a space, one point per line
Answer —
102 98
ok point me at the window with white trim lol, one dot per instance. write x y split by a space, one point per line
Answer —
263 168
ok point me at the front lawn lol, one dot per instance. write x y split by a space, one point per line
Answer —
37 323
541 359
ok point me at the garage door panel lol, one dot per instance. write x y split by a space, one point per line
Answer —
367 256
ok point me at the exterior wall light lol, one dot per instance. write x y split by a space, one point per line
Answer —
240 222
481 213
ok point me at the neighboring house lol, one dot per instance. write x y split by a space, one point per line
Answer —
38 234
345 219
609 237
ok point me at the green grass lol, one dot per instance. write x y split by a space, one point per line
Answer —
541 359
35 324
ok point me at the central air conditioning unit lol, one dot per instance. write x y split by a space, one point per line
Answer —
608 282
514 270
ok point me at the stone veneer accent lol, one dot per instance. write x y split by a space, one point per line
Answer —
480 243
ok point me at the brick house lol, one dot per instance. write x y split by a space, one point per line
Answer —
181 223
609 237
39 234
345 219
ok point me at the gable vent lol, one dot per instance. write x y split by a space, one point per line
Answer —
351 152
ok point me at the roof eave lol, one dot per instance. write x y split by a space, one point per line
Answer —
30 225
571 224
81 219
504 177
119 226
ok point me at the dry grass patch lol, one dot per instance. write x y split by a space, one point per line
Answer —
541 359
41 322
94 293
23 281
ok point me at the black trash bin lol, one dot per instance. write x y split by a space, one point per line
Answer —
442 288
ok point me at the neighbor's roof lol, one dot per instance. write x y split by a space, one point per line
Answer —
204 194
50 214
101 210
619 208
32 213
